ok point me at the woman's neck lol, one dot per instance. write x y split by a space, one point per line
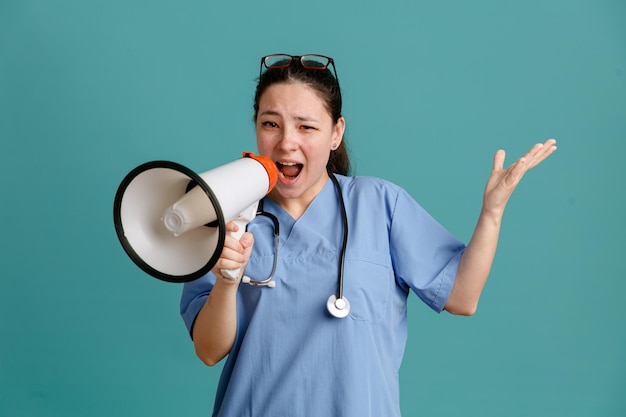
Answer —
296 206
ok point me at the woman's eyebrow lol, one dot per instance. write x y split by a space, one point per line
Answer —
298 118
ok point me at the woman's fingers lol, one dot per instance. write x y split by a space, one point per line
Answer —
498 160
232 227
540 152
235 253
502 182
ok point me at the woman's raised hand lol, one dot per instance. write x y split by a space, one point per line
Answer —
502 182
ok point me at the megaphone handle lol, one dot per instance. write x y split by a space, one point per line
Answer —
242 221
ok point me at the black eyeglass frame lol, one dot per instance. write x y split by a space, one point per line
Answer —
302 58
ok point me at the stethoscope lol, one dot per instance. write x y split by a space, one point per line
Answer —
337 304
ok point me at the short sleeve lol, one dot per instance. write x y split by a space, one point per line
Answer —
425 255
193 298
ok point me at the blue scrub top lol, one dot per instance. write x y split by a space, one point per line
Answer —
291 357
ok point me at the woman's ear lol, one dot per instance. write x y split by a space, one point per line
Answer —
338 131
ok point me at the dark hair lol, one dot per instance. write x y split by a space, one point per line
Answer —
327 86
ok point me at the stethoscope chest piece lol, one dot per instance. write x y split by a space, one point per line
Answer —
338 307
268 282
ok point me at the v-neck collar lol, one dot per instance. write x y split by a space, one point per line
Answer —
321 208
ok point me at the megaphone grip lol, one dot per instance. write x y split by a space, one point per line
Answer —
231 273
241 221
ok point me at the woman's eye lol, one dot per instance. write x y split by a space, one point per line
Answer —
269 124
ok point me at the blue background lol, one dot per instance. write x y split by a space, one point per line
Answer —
91 89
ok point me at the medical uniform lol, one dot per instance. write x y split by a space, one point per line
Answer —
291 357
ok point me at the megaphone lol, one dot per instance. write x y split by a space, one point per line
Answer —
172 222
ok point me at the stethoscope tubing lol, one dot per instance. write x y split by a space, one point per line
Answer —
344 243
267 281
337 305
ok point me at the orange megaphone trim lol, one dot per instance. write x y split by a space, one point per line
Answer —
268 164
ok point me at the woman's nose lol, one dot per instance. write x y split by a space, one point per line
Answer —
288 139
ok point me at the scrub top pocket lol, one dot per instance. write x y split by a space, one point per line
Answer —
367 285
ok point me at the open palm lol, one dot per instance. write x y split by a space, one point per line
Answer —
502 182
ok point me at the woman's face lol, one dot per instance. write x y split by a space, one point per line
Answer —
295 130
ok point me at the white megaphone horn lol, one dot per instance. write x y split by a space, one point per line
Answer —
172 222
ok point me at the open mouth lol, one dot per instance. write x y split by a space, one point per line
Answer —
289 170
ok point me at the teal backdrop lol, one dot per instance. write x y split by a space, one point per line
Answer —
91 89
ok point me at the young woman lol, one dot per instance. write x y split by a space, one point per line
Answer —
328 339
